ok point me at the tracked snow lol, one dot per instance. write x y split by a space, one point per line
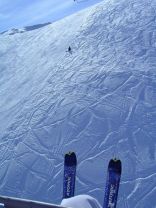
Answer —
99 101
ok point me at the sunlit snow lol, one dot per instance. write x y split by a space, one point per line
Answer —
99 101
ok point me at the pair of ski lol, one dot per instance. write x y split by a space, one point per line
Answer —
112 182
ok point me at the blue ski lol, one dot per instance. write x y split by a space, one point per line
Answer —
70 163
112 183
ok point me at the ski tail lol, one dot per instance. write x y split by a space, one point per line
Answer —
112 183
70 163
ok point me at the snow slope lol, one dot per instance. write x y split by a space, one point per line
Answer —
99 101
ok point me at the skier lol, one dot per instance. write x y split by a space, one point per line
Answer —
69 50
81 201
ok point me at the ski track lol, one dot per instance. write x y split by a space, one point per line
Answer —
99 101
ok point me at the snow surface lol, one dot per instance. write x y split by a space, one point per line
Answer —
99 101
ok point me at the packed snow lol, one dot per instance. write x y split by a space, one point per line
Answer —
99 101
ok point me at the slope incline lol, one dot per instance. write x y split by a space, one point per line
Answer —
99 101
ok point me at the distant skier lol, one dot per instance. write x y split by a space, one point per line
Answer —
81 201
69 50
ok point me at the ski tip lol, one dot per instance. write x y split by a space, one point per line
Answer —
70 153
70 159
116 165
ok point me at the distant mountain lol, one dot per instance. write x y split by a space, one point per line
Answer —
59 10
27 28
98 100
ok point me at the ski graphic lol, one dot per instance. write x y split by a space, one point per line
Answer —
70 163
112 183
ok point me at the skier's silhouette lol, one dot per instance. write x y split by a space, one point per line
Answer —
69 50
